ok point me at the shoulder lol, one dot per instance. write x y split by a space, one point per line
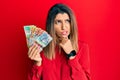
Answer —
83 48
82 44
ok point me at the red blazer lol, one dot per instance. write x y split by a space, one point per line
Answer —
61 68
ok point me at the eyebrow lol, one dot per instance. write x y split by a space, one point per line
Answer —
60 19
67 19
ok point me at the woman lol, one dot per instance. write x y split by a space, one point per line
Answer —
65 58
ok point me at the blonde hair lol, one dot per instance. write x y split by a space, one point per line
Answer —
49 51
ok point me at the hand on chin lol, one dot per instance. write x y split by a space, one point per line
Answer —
65 43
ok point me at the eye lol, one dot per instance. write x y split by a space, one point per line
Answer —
58 22
67 21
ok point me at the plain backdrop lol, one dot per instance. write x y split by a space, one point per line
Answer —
98 25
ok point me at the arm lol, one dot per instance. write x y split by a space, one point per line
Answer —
36 69
80 65
35 73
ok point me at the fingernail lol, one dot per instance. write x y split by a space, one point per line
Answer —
38 47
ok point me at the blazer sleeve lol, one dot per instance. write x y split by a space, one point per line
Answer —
80 65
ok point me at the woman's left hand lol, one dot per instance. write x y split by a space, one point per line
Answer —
65 43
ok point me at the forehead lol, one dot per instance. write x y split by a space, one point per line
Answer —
61 16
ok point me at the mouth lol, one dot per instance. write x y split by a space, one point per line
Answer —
64 32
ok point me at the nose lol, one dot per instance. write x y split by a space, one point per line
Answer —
63 26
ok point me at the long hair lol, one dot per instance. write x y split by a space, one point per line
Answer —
49 51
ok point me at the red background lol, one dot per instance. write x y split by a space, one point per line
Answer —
98 21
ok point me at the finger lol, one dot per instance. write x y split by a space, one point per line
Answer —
38 57
32 51
37 31
64 40
41 31
32 46
36 52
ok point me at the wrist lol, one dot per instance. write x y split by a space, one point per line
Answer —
38 63
69 51
71 55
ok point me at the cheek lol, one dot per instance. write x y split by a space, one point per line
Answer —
57 30
68 29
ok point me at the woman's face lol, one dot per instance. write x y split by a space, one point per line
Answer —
62 25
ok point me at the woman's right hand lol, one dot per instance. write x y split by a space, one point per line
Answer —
34 54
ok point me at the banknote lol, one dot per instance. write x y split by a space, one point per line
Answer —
33 35
29 32
44 39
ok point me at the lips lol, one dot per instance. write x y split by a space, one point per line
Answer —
64 32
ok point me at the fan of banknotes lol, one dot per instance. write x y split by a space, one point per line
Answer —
34 34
